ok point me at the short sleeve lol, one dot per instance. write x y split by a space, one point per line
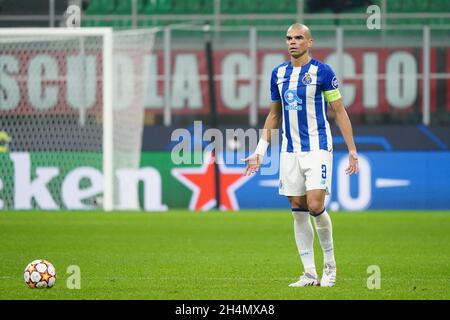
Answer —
329 80
274 93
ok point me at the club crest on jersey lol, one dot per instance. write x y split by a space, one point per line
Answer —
307 79
293 102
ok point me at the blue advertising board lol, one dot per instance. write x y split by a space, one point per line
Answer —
387 180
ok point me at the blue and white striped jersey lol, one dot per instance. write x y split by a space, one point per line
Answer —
303 92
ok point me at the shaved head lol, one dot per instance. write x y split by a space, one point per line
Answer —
302 28
298 41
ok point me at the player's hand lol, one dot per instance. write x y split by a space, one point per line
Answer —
352 163
253 164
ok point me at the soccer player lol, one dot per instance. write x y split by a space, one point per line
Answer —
301 90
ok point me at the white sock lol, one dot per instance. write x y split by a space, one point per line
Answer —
325 233
304 238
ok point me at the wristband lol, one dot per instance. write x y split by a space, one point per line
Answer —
262 146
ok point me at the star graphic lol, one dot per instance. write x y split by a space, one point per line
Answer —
201 180
45 276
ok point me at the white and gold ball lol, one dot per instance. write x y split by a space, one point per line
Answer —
40 274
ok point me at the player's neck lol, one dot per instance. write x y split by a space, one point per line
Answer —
300 61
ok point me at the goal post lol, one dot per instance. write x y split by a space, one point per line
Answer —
65 110
108 174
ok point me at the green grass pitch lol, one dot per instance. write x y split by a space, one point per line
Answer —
222 255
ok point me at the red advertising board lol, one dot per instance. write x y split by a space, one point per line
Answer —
371 80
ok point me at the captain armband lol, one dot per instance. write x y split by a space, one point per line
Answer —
332 95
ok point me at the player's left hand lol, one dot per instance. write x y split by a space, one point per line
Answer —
352 163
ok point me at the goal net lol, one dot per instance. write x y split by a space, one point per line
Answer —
71 116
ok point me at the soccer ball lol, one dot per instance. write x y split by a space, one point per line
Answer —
40 274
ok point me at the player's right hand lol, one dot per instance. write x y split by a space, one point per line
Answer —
352 163
253 164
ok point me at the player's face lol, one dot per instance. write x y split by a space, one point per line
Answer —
298 42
